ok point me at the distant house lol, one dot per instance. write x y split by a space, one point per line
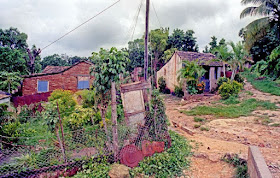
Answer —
170 70
4 97
73 78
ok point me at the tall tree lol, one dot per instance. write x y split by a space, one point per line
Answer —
135 52
158 44
223 54
213 43
183 41
206 49
269 10
239 56
109 64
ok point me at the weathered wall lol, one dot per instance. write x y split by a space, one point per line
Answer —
67 80
169 72
257 167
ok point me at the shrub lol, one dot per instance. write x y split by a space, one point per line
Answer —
228 89
221 80
239 164
161 84
239 79
198 119
178 91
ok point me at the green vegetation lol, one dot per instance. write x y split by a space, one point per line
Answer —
229 89
231 100
170 163
204 129
161 84
239 164
198 119
231 111
197 126
264 85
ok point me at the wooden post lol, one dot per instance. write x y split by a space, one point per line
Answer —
114 120
146 41
61 142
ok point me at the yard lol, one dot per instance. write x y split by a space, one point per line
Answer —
215 129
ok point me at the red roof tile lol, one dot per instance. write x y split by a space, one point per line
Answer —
54 69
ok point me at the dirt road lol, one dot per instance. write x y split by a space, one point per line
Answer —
227 135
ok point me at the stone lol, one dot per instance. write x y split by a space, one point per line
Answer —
188 130
119 171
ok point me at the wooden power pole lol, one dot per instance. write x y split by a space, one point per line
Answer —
146 64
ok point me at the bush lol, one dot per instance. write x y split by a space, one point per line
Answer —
221 80
239 79
229 88
178 91
161 84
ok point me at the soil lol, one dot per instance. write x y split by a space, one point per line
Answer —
226 135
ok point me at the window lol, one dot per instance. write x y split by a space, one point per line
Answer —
83 82
43 86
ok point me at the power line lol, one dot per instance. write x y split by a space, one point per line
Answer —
136 20
81 25
156 14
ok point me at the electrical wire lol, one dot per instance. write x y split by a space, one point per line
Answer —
81 25
156 14
136 21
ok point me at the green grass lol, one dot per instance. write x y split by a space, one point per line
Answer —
197 126
265 85
275 125
204 129
231 100
198 119
231 111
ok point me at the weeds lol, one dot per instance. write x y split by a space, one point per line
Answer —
204 129
231 111
198 119
239 164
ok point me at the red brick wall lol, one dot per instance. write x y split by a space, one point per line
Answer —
67 80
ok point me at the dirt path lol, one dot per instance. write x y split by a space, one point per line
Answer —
227 135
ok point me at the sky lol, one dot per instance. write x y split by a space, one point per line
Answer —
44 21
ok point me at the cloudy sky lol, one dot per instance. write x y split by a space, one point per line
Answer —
46 20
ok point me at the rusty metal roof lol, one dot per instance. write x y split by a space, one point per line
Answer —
54 69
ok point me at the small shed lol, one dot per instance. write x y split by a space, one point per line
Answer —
209 62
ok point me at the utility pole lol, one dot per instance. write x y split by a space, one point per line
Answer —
146 64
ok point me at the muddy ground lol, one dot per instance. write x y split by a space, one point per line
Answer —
227 135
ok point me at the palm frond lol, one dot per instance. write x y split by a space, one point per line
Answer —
262 10
245 2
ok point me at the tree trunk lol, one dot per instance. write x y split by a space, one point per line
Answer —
114 120
224 69
103 112
60 144
184 88
232 74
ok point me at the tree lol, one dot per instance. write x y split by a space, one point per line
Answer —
12 60
183 41
168 54
13 39
223 54
239 56
158 44
191 71
206 50
270 12
109 64
135 52
9 81
213 43
53 60
222 42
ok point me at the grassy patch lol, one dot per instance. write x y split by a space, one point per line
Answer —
231 111
204 129
249 93
231 100
265 85
275 125
197 126
198 119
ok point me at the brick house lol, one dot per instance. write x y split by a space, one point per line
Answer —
170 70
73 78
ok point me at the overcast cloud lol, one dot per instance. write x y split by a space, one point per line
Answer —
46 20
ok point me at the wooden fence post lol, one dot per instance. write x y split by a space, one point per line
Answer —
114 120
61 142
